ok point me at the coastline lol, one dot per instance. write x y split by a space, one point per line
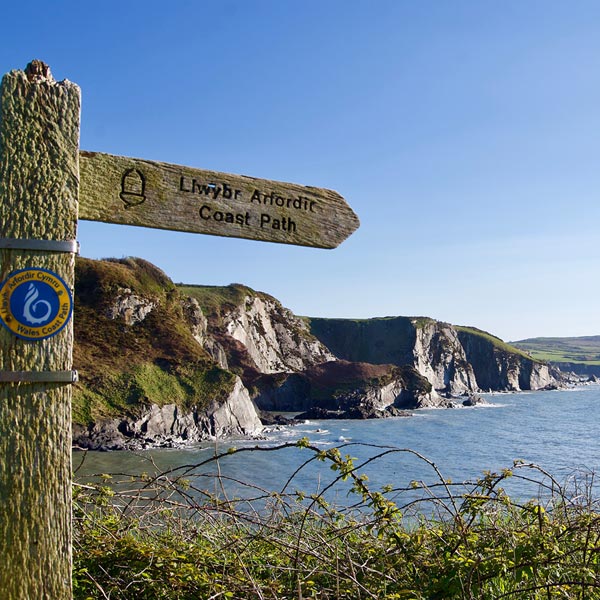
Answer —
110 436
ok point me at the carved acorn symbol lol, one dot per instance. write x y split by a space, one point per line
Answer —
133 188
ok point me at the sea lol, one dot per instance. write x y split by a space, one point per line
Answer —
547 440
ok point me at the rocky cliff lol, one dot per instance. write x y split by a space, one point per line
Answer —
285 365
345 389
171 425
145 375
162 364
454 359
167 365
275 339
498 366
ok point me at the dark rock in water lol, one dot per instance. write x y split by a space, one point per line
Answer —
363 412
318 413
594 379
270 419
474 400
353 412
106 436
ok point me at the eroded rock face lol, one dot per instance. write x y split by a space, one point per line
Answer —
453 359
170 425
216 352
274 338
236 416
358 369
130 307
496 369
440 357
195 318
396 394
284 392
537 376
430 346
198 325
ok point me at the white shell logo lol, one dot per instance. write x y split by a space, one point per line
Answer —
32 303
35 304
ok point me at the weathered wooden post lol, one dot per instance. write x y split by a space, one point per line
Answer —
39 179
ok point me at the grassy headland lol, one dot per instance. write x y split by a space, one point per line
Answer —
495 341
124 367
213 299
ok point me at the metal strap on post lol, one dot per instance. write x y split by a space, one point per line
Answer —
40 245
38 377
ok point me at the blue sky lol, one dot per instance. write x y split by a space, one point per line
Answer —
464 134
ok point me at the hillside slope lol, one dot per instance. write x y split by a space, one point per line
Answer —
285 365
143 373
580 355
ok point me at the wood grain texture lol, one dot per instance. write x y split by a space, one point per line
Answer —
117 189
39 143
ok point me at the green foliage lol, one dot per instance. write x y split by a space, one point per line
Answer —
87 405
212 297
95 277
165 537
420 322
125 393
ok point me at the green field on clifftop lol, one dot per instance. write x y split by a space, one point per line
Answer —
581 350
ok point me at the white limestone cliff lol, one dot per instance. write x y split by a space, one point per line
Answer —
440 357
275 339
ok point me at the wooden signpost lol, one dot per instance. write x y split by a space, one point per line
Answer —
116 189
44 181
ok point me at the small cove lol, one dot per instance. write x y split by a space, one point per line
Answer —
557 430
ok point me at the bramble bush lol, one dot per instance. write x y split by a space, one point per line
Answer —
164 536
